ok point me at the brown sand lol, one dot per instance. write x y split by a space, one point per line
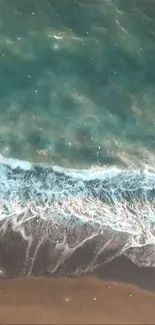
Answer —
73 301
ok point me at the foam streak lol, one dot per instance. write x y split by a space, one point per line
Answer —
61 213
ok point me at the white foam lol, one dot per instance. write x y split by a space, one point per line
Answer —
77 210
100 173
14 163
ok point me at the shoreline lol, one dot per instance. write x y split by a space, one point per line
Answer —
119 269
122 270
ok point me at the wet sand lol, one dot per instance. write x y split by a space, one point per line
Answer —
119 292
74 301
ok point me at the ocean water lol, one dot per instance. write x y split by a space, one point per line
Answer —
77 82
77 132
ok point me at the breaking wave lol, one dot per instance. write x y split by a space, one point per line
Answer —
54 219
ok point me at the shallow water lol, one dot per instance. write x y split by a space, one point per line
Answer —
77 82
76 221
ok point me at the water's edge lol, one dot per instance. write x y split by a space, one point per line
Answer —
72 222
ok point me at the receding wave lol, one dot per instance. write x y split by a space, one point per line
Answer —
65 215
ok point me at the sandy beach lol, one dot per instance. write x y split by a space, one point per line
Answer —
74 301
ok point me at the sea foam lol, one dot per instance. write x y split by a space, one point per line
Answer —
90 216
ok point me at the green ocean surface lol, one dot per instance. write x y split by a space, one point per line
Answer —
77 82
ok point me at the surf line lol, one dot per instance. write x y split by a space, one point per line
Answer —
67 221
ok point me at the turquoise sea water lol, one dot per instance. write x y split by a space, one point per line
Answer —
77 81
77 90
